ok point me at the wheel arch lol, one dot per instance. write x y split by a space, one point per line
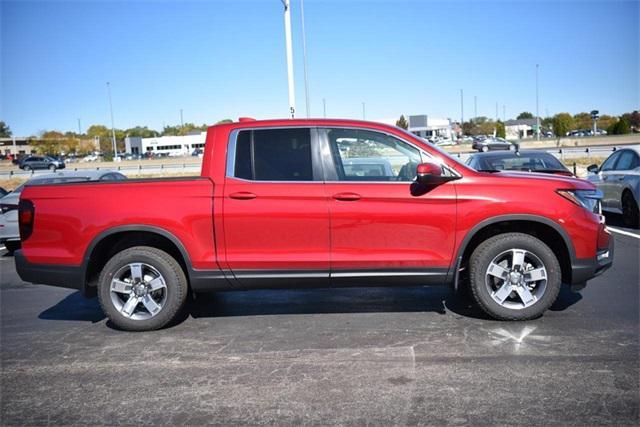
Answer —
116 239
550 232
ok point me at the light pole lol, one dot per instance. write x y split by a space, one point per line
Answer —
304 55
324 107
537 106
287 39
475 107
461 107
113 129
364 115
497 117
79 128
504 113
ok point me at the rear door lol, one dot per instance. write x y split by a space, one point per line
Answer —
627 161
605 179
381 228
275 212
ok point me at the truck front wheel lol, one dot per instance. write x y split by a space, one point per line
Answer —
142 289
514 276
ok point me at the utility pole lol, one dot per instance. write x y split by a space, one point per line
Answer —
324 107
497 117
364 116
181 120
504 113
461 107
287 39
79 128
537 107
113 129
304 54
475 107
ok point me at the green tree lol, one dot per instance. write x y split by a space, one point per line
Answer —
582 121
633 119
500 130
141 131
223 121
562 123
525 115
99 131
5 132
620 127
605 121
402 123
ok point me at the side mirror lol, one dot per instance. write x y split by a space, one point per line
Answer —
429 173
593 168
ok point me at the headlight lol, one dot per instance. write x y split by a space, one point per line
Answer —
588 199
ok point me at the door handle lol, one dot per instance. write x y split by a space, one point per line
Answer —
347 197
242 195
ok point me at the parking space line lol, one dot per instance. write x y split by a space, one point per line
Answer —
624 232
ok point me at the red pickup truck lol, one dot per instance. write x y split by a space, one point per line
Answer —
321 203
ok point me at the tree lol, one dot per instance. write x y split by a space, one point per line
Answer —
5 132
99 131
525 115
141 131
500 130
582 121
223 121
605 121
562 123
402 123
632 119
620 127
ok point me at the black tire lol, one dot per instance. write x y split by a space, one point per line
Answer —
166 265
26 168
484 254
52 168
484 148
12 246
630 214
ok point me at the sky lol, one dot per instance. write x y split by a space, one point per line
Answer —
226 59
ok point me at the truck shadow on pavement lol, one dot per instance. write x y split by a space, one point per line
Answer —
438 300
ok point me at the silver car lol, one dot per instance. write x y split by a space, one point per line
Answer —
9 233
619 179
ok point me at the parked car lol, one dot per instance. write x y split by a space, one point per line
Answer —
275 206
487 144
3 192
528 161
9 233
41 162
619 180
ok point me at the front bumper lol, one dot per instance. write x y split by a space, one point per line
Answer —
47 274
586 269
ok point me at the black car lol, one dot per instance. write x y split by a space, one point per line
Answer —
488 144
41 162
528 161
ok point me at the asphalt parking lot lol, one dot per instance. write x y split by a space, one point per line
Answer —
382 356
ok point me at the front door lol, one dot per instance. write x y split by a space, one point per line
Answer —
381 228
276 219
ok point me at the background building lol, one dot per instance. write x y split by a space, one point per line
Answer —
16 146
520 128
182 145
430 127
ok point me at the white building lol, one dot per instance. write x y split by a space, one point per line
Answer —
520 128
16 146
182 145
430 127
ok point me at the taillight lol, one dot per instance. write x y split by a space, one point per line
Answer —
26 214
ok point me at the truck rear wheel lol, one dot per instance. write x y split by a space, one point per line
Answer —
142 289
514 276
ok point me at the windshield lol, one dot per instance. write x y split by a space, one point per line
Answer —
520 162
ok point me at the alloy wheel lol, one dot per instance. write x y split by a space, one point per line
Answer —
138 291
516 279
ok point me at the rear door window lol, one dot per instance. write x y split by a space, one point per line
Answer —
274 155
